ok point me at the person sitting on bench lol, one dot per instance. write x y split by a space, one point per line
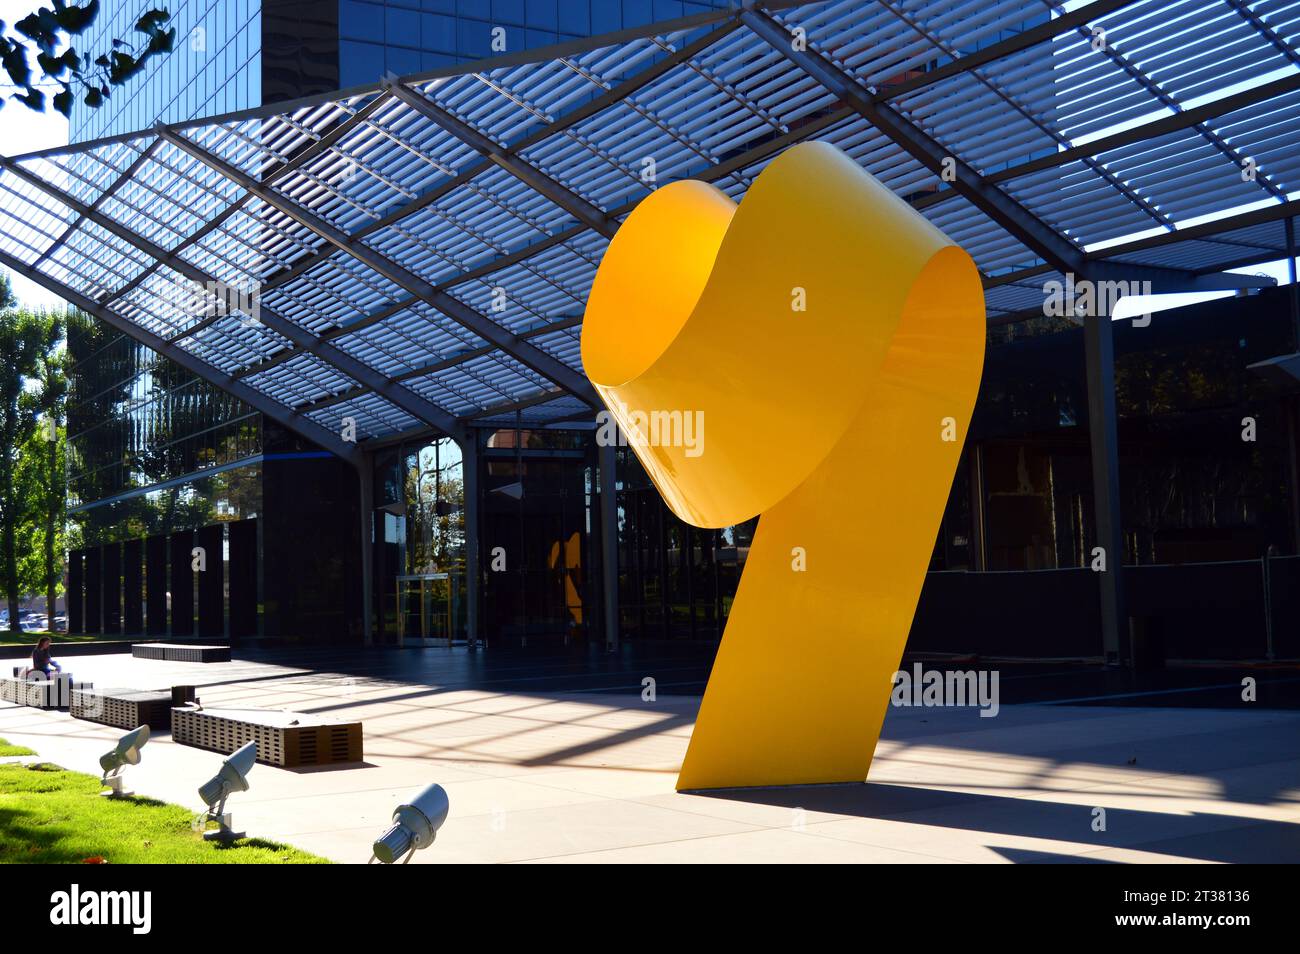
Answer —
42 658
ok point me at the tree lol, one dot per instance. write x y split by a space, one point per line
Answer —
24 337
40 538
51 398
49 33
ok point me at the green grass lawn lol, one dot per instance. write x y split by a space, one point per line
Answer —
29 637
49 815
8 751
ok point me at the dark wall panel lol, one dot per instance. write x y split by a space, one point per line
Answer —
1191 611
1032 613
243 579
311 550
1284 592
182 584
300 48
155 548
132 587
212 584
111 588
1202 610
76 595
94 623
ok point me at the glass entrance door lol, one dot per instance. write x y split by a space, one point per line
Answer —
426 609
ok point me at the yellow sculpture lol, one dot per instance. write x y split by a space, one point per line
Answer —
827 342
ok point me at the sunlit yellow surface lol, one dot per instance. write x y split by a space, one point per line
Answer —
829 421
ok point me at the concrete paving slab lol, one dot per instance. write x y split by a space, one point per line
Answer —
585 776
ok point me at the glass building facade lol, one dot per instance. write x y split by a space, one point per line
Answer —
415 36
215 67
540 544
136 421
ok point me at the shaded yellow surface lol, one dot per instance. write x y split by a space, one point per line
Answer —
828 421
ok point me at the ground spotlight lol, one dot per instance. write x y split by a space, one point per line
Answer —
127 752
232 778
415 824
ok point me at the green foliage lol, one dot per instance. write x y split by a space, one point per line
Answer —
28 638
33 393
50 28
39 482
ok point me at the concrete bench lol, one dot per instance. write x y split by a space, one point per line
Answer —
181 652
124 708
286 739
41 693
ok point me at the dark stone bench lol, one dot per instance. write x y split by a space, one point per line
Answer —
181 652
124 708
129 708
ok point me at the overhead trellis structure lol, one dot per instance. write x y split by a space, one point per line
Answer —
419 253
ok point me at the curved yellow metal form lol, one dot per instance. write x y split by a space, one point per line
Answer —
826 342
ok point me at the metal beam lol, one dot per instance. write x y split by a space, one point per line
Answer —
1266 31
327 139
712 174
330 334
412 403
523 352
1123 188
252 397
1171 280
1140 77
621 91
1105 270
366 481
1293 288
109 193
997 205
434 367
1166 281
1059 252
537 180
1145 132
996 51
523 403
1269 213
612 96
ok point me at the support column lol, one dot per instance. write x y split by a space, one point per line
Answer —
978 510
1289 402
75 598
473 574
1293 292
366 482
609 542
1103 433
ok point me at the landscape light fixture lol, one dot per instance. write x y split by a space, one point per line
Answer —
127 752
415 825
233 777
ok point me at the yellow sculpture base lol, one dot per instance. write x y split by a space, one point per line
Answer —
831 342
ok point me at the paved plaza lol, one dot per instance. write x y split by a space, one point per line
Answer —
587 775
